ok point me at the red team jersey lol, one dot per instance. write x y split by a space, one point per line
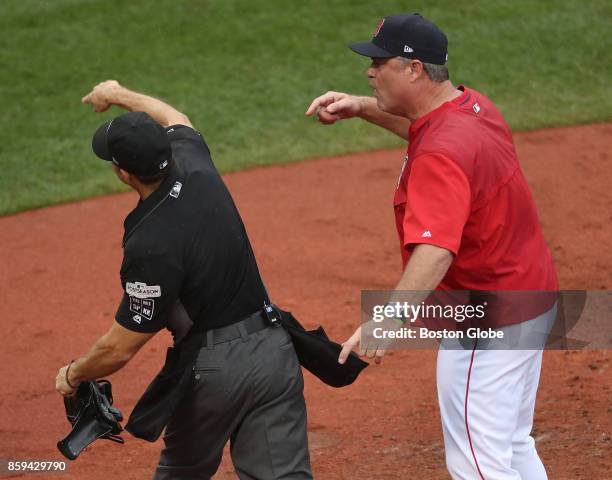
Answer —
462 189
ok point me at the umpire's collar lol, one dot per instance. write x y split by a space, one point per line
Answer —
147 206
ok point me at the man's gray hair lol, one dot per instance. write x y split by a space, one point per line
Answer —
436 73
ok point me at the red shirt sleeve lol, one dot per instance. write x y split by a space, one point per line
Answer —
438 203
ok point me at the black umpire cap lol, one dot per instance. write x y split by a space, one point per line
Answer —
406 35
135 143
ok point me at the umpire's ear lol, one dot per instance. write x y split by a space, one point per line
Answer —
124 176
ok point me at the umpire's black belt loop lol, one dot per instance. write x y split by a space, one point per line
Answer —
209 339
243 333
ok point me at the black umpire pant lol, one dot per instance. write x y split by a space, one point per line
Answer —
249 391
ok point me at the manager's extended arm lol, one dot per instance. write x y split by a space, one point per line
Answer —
110 92
333 106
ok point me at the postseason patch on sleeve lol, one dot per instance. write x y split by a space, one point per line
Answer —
142 302
142 290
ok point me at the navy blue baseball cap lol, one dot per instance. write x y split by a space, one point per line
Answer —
135 143
407 35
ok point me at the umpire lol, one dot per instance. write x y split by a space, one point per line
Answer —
188 266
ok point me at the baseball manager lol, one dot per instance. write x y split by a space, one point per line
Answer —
466 221
188 267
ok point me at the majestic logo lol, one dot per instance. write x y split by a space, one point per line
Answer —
137 318
163 165
377 31
142 290
408 49
476 108
426 234
176 190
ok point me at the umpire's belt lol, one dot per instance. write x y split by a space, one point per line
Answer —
315 351
241 329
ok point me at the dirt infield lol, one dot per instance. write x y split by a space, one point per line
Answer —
322 230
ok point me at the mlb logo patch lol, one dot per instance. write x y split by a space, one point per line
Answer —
176 190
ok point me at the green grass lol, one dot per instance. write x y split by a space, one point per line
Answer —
245 71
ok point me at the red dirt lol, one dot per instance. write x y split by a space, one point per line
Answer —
322 232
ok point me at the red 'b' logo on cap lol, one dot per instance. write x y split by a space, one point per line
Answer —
379 27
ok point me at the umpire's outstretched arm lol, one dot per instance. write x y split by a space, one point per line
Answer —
110 92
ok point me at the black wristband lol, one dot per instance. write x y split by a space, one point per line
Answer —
68 370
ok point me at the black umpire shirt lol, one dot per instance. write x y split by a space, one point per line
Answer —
187 257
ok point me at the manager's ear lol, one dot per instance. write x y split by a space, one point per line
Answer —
416 70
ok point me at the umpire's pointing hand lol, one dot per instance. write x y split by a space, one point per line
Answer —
103 95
